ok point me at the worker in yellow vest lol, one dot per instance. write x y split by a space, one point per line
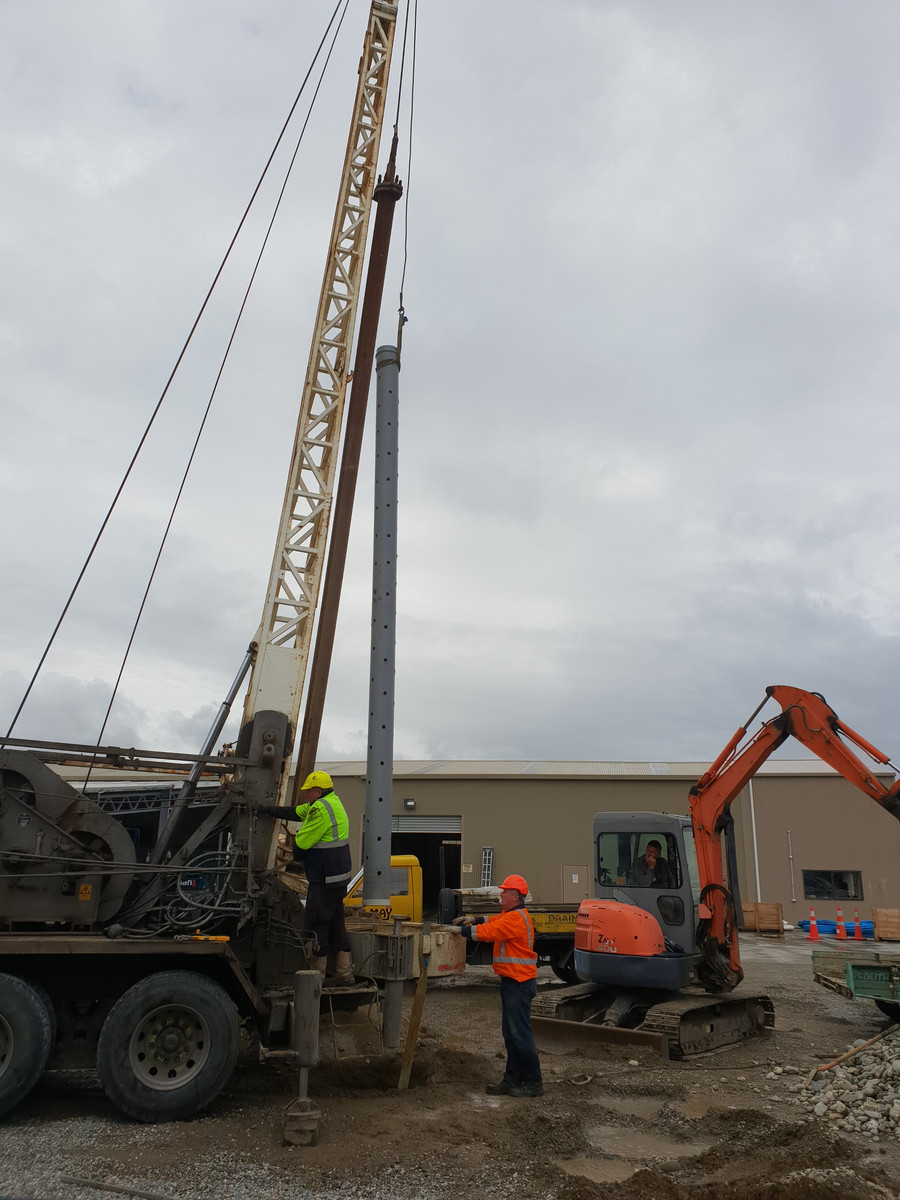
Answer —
323 842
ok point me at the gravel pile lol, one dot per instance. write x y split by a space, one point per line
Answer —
861 1095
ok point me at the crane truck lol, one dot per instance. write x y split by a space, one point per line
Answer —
123 966
652 941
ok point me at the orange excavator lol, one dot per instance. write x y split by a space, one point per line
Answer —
663 922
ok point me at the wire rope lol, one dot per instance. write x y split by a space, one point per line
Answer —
212 395
412 5
175 368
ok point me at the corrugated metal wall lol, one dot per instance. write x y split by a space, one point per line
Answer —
539 825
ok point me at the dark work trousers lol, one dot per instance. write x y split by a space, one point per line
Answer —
325 917
522 1063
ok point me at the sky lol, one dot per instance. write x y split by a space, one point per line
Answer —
649 423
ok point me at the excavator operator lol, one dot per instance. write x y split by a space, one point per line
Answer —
323 841
651 869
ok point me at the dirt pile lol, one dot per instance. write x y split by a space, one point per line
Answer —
750 1156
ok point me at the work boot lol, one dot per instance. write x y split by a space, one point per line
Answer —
318 964
343 969
527 1089
503 1088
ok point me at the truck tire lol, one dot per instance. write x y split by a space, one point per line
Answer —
890 1008
48 1004
449 906
168 1046
25 1039
562 960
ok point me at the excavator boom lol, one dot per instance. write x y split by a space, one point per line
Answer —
808 718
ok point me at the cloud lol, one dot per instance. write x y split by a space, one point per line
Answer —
648 410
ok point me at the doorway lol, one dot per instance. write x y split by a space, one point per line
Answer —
439 855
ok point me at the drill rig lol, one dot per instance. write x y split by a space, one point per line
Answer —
146 970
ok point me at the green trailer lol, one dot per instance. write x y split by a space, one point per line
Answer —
861 975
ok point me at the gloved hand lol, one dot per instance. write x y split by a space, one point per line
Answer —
285 812
468 919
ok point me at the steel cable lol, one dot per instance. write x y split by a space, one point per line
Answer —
174 371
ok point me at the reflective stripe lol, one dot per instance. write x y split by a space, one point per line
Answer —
335 840
338 878
501 956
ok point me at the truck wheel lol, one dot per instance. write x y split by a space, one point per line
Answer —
25 1038
449 906
890 1008
563 963
48 1004
168 1046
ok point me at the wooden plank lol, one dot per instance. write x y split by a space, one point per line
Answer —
415 1020
887 924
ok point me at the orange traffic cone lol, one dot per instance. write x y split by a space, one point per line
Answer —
813 935
857 927
841 931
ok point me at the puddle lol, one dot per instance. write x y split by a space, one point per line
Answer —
647 1107
693 1108
640 1106
640 1144
735 1171
628 1150
598 1170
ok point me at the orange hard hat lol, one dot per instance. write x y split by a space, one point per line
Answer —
516 882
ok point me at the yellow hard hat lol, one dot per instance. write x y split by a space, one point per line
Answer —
318 779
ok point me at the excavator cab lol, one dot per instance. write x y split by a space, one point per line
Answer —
640 930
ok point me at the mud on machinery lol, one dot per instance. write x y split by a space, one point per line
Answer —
650 952
128 968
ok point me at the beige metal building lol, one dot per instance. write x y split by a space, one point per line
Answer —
805 836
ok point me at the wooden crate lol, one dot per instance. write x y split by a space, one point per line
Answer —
887 924
763 918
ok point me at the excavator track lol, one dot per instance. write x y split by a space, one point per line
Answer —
695 1024
548 1004
675 1026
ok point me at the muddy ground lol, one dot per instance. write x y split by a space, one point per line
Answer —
618 1125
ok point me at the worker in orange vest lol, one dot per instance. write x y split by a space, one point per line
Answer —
515 961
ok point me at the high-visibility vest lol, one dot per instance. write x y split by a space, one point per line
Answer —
513 936
324 839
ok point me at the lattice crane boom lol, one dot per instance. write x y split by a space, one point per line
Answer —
285 633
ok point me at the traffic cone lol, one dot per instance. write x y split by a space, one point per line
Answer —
857 927
841 931
813 935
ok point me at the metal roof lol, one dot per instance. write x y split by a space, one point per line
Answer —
569 769
105 777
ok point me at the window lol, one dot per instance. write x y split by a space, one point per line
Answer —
622 860
399 881
487 865
671 910
832 885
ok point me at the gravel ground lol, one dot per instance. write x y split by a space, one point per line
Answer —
740 1124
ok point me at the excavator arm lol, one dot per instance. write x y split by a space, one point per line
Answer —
807 717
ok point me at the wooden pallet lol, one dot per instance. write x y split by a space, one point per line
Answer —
887 924
763 918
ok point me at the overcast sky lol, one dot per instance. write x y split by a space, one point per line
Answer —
649 427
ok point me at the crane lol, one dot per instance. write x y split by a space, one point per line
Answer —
164 977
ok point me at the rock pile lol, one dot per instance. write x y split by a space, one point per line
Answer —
861 1095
